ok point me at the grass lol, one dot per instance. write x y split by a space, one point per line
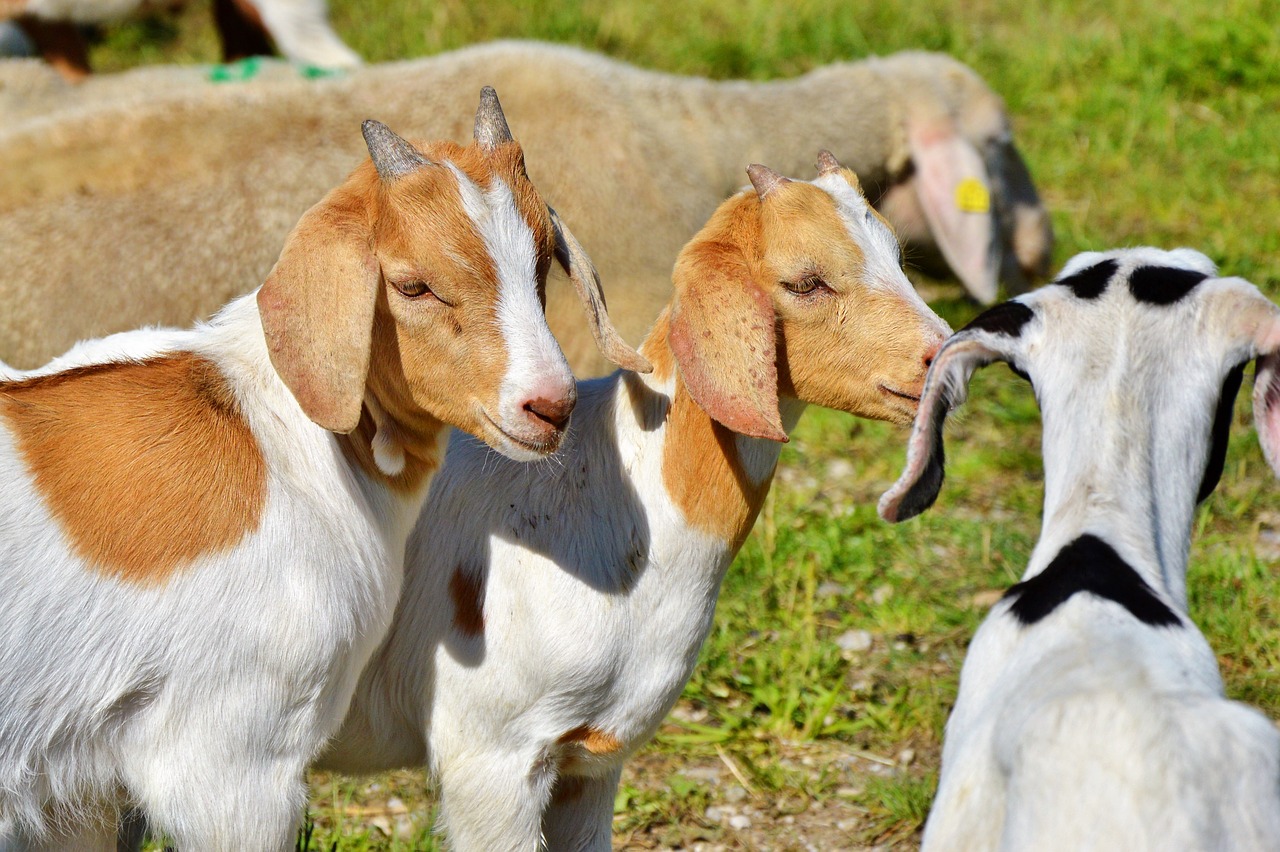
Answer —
1144 122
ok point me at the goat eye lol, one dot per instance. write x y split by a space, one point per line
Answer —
412 289
805 285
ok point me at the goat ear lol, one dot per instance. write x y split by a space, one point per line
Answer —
993 336
955 195
317 312
723 338
1266 399
582 272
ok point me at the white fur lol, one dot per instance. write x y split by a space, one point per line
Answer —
1090 728
203 698
597 595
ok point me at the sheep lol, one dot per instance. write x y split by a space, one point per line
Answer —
204 530
151 172
1091 711
544 638
300 28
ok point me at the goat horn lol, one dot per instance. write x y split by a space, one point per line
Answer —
827 163
392 156
491 125
765 179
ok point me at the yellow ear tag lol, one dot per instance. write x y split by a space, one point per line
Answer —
972 196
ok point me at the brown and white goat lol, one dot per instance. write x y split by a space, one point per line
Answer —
543 637
203 531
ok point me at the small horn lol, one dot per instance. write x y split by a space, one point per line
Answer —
491 125
827 163
392 156
765 179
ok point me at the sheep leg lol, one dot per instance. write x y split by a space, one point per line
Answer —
60 44
493 802
579 817
241 30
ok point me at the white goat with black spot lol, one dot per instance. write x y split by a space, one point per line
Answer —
1091 712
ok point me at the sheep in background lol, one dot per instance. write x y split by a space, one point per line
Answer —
543 639
1091 713
151 174
204 530
299 28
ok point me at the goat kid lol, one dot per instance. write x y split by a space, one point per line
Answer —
203 531
544 639
1091 712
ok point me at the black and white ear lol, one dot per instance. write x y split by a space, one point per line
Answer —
1251 321
995 335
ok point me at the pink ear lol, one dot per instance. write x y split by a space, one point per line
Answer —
955 193
1266 408
722 336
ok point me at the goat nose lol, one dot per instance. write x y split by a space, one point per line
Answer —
553 411
931 354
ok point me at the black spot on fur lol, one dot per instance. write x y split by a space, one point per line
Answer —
1221 431
924 491
1090 283
1090 565
1007 318
1163 285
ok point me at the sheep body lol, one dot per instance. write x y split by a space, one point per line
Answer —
150 172
1091 711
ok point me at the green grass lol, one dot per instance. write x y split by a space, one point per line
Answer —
1144 122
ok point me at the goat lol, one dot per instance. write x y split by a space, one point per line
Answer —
543 639
151 171
204 530
1091 713
300 28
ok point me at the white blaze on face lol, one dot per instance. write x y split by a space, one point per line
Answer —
883 255
536 368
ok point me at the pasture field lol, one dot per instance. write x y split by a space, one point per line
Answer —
818 708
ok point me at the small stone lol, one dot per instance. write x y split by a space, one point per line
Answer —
714 814
840 469
735 794
396 806
831 589
855 641
707 774
740 822
847 824
383 824
882 594
849 792
906 756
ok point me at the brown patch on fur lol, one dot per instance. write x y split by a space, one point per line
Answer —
241 30
594 740
59 43
466 590
145 465
702 471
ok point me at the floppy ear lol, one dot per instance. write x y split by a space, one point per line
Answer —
1266 397
723 338
317 312
582 272
955 195
995 335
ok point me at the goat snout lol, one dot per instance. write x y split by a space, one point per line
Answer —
553 411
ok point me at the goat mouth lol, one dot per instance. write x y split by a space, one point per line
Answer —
900 394
523 446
